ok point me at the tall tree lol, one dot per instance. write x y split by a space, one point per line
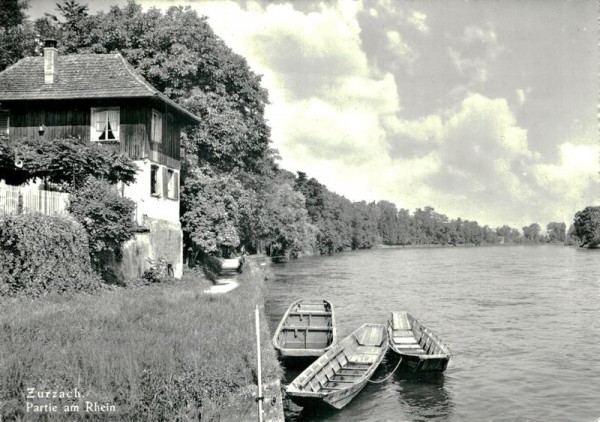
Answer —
532 232
12 13
556 232
17 35
587 226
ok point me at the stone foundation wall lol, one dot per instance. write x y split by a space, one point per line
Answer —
164 240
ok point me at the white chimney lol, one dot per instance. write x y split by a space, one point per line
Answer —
50 61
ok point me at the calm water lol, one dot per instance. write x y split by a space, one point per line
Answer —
523 324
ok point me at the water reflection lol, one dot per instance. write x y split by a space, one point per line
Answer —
423 396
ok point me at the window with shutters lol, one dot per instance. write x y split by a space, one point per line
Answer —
157 124
4 121
105 124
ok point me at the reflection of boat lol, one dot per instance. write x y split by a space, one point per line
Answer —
306 330
423 395
342 372
421 350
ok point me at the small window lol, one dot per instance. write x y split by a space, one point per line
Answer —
4 121
172 184
105 124
154 180
157 120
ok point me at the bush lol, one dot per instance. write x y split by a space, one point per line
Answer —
108 220
41 254
212 267
160 271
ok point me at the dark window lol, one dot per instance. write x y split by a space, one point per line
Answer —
154 180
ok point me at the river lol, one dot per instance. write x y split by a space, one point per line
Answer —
522 322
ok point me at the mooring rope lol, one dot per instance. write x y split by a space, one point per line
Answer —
386 378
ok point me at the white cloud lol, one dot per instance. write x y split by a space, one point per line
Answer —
419 21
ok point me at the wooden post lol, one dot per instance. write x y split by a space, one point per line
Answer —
260 397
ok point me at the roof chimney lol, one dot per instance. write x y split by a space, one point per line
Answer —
50 61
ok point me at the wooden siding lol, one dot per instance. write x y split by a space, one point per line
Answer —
135 130
58 122
64 119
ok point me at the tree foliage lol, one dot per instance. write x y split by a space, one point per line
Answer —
210 212
17 34
587 226
532 232
65 163
107 217
556 232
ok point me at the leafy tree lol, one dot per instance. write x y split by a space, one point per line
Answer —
532 232
509 234
210 212
587 226
73 12
17 35
108 219
289 231
12 13
571 238
388 222
556 232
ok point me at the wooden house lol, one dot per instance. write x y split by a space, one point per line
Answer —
101 98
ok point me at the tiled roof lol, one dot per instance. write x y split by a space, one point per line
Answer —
79 76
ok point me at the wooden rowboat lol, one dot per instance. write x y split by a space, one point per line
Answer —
339 375
307 329
420 349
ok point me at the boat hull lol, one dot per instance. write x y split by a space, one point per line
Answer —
306 331
341 373
420 349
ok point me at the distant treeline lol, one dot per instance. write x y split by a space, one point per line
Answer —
343 224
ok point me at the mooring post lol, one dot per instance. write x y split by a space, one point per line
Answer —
259 399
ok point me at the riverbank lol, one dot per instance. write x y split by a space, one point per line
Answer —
158 352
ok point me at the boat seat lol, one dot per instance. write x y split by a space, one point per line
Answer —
304 327
370 337
364 354
405 340
315 313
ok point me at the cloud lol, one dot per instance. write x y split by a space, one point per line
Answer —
473 53
487 170
418 20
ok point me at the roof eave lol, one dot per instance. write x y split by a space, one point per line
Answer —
176 106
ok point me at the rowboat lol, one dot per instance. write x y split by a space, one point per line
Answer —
420 349
341 373
307 330
232 265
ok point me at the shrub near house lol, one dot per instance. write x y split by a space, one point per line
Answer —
43 254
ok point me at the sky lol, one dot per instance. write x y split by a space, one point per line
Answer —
485 110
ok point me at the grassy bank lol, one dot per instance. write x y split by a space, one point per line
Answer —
151 353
